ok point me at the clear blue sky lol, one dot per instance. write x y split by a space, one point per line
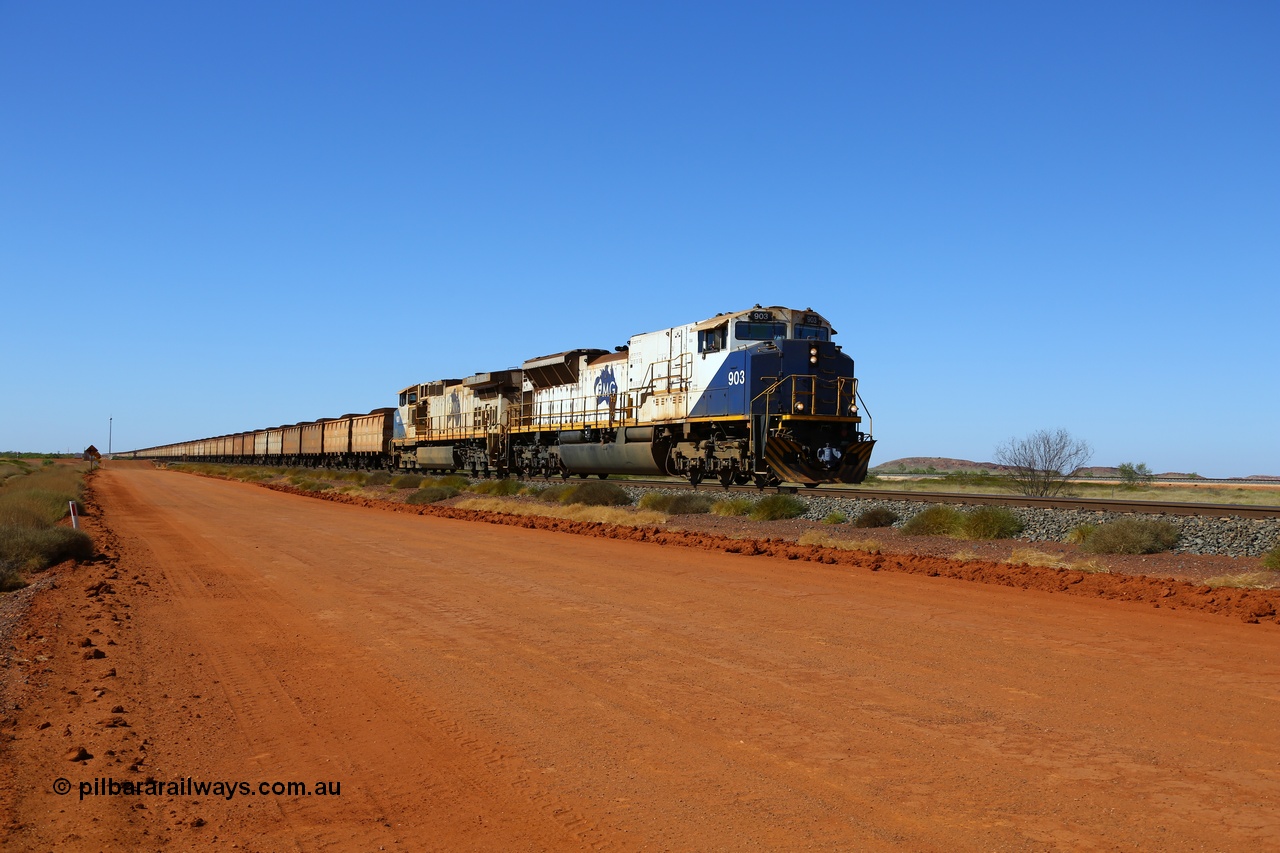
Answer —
223 216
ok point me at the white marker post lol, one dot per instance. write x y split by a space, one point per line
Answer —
75 520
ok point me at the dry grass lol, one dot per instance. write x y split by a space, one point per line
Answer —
825 540
965 556
1032 557
32 502
571 512
1246 580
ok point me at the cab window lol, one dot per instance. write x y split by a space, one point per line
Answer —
747 331
404 398
712 340
812 333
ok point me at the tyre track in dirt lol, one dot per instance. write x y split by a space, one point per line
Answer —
477 686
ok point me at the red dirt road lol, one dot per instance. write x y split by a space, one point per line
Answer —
484 687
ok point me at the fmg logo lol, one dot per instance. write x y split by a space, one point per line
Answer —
606 386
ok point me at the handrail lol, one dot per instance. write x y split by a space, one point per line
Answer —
806 387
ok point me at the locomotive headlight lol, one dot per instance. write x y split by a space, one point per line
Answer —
799 407
813 355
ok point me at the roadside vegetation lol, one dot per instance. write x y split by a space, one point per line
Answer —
1126 536
825 540
34 497
983 522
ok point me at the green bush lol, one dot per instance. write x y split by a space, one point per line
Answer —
775 507
314 486
1132 536
657 501
450 481
35 549
1080 533
555 493
377 478
431 494
939 520
690 503
597 493
10 578
733 506
876 517
499 488
835 518
1271 560
407 481
990 522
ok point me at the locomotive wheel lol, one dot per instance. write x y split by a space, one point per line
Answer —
741 478
811 485
601 476
582 476
726 476
695 477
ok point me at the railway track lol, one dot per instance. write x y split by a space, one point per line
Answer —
1087 504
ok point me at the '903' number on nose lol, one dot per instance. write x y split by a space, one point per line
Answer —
737 377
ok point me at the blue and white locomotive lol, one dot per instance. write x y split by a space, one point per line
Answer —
760 395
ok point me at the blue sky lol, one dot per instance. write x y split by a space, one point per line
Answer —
226 216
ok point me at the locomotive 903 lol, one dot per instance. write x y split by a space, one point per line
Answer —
760 395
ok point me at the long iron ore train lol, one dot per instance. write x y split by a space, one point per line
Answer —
761 395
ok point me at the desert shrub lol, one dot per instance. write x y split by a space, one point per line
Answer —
377 478
939 520
658 501
533 491
990 522
835 518
432 494
690 503
556 493
732 506
500 488
775 507
314 486
878 516
1132 536
597 493
35 549
1081 533
1271 559
10 577
406 481
449 481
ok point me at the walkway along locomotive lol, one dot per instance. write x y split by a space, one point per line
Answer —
760 395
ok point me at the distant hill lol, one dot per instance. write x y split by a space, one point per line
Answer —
928 464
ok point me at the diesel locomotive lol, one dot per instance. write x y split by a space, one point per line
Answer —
762 395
